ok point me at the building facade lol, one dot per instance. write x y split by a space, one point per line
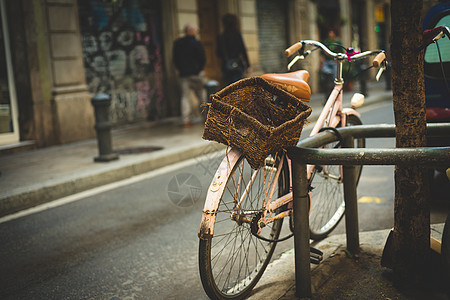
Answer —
56 54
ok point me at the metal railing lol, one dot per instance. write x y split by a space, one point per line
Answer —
305 154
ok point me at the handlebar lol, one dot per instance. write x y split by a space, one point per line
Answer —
433 35
298 46
340 56
378 62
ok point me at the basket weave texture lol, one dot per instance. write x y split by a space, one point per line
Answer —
256 118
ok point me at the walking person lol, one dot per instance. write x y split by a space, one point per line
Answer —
231 50
189 59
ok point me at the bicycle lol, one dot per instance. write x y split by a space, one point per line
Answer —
244 209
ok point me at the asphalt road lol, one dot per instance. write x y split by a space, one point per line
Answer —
139 240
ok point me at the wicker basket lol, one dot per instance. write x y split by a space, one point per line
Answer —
255 117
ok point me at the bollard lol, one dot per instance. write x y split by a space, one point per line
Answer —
363 80
101 103
211 88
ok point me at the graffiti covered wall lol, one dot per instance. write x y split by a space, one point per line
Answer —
123 56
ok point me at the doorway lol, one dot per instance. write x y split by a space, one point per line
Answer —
209 30
9 131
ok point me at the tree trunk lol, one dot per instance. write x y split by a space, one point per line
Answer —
411 239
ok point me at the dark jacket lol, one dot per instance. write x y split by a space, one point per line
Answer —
232 46
188 56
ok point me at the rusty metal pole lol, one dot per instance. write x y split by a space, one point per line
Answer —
301 231
351 205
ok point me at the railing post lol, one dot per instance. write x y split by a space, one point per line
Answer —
301 231
351 205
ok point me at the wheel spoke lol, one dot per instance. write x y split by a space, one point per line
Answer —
236 257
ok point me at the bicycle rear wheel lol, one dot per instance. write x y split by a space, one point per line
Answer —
234 259
327 194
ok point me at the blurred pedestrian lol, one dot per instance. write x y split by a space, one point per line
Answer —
231 50
189 59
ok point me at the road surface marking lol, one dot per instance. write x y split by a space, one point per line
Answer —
366 199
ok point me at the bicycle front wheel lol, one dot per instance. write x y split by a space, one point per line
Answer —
327 194
234 259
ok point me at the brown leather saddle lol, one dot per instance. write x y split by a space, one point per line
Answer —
296 83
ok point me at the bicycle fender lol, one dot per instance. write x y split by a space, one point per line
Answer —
350 111
215 192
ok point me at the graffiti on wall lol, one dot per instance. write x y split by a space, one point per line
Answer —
123 57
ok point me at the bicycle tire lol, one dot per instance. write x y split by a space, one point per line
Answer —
233 260
327 195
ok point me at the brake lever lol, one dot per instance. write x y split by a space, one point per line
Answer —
380 71
433 35
437 37
297 58
293 61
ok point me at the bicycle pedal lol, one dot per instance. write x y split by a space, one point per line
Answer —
316 251
315 256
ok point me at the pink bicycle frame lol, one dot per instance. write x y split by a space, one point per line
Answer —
332 114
